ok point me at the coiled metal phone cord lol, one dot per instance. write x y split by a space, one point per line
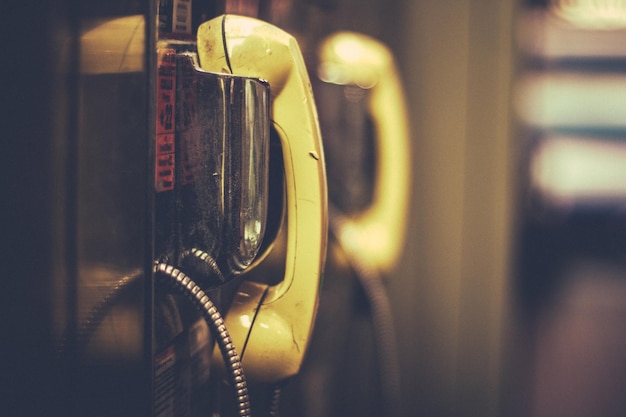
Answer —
181 282
176 279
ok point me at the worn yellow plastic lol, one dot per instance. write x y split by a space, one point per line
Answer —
271 325
377 234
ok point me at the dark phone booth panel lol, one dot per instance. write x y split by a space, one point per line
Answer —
79 217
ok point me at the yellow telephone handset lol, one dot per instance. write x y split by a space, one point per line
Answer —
271 324
375 235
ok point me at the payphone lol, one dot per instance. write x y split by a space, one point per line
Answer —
212 160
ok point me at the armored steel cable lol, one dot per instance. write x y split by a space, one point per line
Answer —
181 282
205 259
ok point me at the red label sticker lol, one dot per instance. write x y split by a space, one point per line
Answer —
165 166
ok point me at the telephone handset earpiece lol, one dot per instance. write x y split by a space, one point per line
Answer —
376 234
272 324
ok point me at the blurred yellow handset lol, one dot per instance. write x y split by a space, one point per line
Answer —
375 234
